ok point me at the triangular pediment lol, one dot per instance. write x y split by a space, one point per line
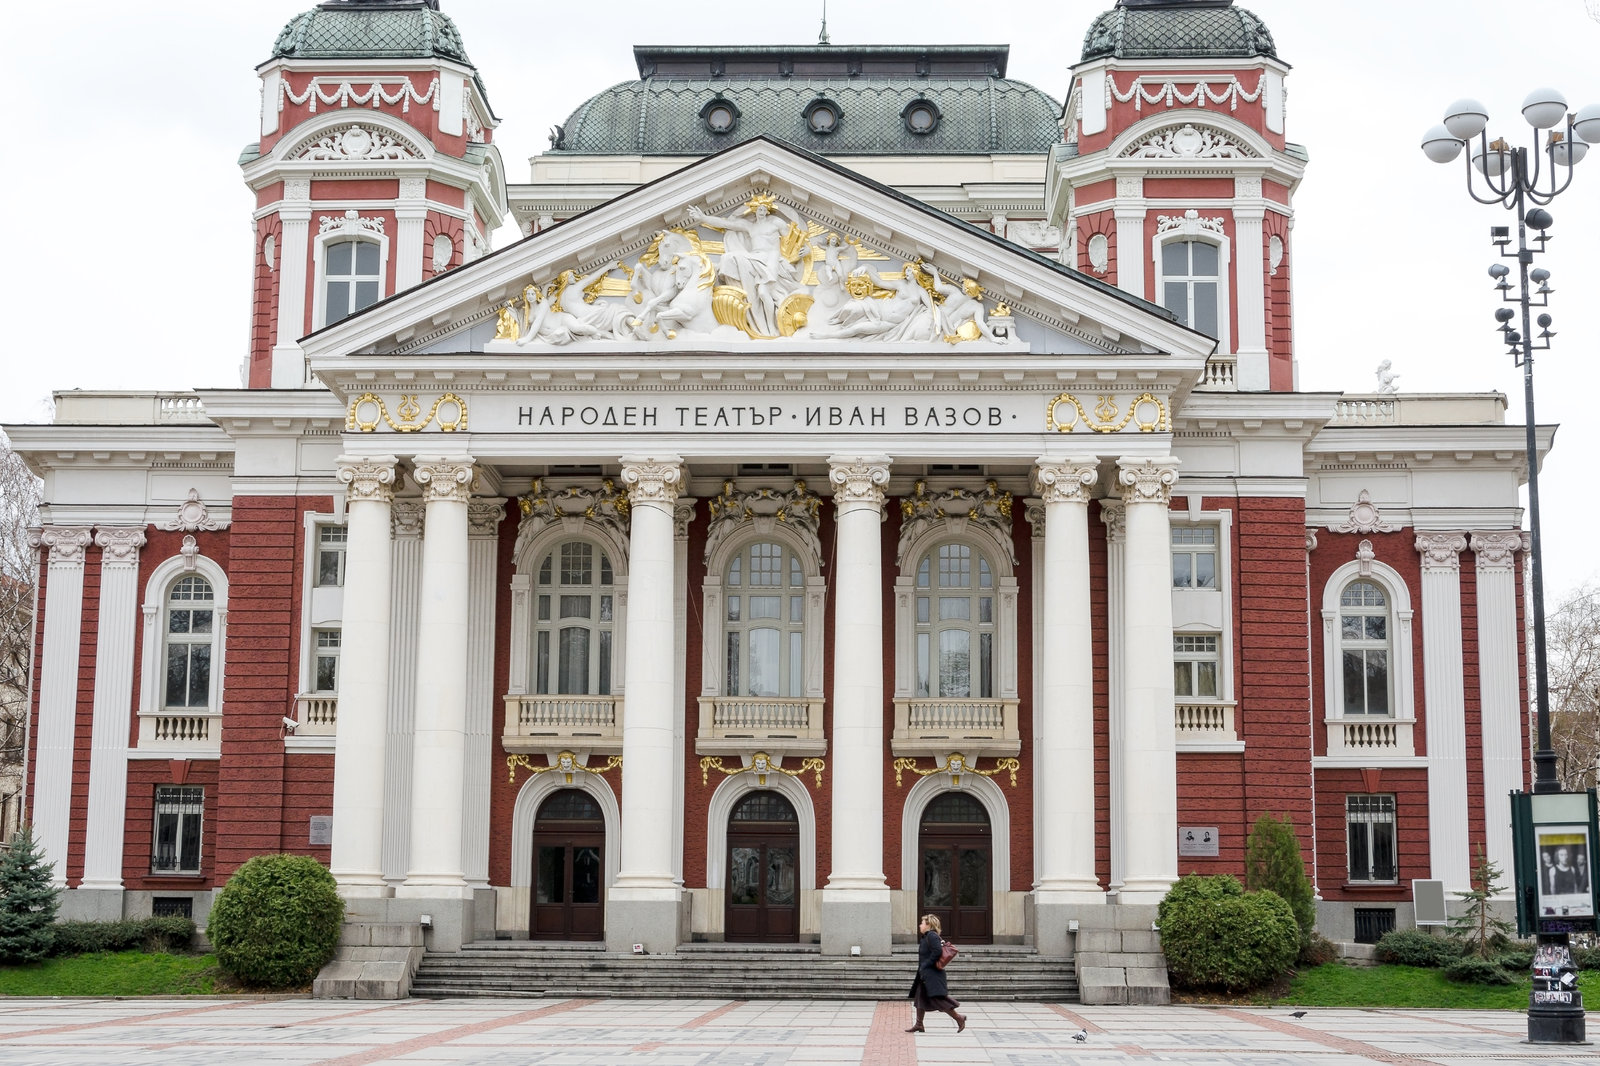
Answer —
762 248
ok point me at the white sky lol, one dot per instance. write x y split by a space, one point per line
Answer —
131 115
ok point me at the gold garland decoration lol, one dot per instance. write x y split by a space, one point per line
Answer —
1104 418
955 765
408 411
566 763
761 765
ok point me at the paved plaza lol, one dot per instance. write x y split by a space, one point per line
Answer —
688 1032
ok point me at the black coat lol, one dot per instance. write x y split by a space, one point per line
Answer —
928 971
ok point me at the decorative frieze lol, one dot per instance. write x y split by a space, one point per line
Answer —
1364 518
1190 223
193 516
988 509
1189 141
763 508
357 143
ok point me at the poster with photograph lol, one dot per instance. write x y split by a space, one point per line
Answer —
1564 871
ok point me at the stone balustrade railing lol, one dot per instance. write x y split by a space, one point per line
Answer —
181 731
1372 736
744 724
542 723
317 713
1205 722
972 727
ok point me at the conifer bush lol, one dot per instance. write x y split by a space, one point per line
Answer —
1272 861
1216 935
276 922
1416 947
28 901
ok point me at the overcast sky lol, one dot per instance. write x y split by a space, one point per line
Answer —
132 241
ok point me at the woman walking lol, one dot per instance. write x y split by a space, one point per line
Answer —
929 991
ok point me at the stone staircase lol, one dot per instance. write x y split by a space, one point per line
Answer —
733 971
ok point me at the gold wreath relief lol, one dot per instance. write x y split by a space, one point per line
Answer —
1065 412
368 410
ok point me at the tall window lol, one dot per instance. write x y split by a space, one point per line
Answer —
1194 557
1364 648
331 543
955 627
573 620
1189 283
325 662
351 275
176 847
764 623
1194 667
190 624
1369 838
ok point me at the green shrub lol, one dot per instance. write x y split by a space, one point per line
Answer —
1413 947
28 901
1586 958
276 922
1473 970
1217 935
1318 950
1272 861
1517 960
129 934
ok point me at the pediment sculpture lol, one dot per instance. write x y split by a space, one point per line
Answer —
771 276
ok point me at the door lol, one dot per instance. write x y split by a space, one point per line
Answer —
569 844
763 896
954 862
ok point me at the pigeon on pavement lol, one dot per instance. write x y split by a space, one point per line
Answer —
1081 1036
1297 1015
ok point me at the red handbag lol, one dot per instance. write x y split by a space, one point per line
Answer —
947 952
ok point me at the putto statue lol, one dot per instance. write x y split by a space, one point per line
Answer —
1386 379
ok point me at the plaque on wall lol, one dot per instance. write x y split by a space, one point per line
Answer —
1198 841
321 830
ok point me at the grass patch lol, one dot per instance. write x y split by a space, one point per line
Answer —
122 973
1338 985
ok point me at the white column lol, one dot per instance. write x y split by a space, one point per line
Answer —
1250 292
1445 697
1150 756
1500 695
116 622
682 516
855 902
483 545
1114 517
1131 244
410 212
356 860
643 905
437 774
406 582
294 261
1064 746
58 691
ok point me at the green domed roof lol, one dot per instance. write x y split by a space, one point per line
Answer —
1178 29
372 29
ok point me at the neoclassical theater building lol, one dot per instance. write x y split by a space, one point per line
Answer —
870 486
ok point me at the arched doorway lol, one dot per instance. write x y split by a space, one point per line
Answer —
763 870
953 864
569 840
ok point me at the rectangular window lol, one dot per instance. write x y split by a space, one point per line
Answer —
176 847
331 544
325 666
1369 838
1194 667
1194 557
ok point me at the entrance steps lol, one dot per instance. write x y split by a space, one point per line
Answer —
514 968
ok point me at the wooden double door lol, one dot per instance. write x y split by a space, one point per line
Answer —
763 898
569 849
955 858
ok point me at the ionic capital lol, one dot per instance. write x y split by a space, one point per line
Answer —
653 482
858 480
405 519
444 479
369 477
1441 551
1497 550
1115 518
119 545
484 514
1147 480
66 543
1066 480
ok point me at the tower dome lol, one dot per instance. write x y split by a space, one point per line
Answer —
1183 29
372 29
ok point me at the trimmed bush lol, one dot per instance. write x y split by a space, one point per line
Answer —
276 922
1318 951
1413 947
28 901
1472 970
1516 961
129 934
1217 935
1272 861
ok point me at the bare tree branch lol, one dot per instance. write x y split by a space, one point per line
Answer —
1572 634
19 509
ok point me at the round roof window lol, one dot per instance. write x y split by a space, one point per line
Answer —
720 116
822 116
921 117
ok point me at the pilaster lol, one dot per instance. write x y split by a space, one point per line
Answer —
1499 691
406 584
1115 518
1249 265
483 545
1446 703
288 361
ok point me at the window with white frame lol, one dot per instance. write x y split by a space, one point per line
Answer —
1194 557
1190 285
325 661
955 624
574 619
1364 649
331 544
352 275
180 810
1370 839
191 614
764 614
1194 667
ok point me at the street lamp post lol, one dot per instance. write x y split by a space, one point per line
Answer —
1514 178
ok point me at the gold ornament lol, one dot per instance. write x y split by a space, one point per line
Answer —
956 764
761 765
1147 412
566 764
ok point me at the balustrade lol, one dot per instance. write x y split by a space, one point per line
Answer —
537 723
939 726
1355 737
1204 723
317 713
779 726
181 730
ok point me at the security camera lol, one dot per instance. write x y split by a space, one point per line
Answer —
290 724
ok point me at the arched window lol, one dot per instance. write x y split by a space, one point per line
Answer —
352 278
1364 648
191 615
1190 284
955 624
764 611
574 619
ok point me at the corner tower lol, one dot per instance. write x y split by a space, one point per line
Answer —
375 170
1175 181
